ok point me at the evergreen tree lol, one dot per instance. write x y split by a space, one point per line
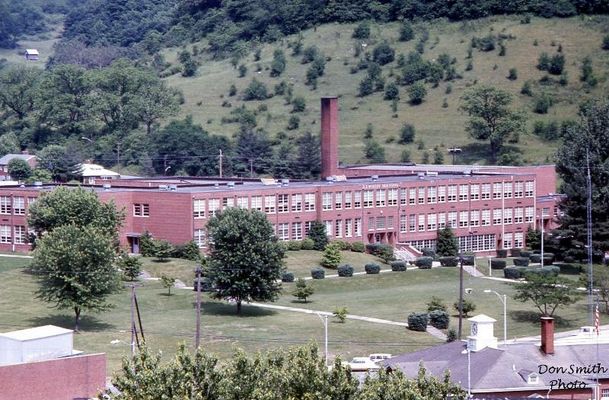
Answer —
308 158
447 243
302 291
278 64
331 257
317 233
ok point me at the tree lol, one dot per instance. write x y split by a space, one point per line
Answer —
416 93
18 89
73 206
319 236
533 238
245 259
61 163
588 139
19 169
490 117
468 306
331 257
407 134
547 292
256 90
383 53
392 92
302 291
131 266
156 102
361 31
600 276
605 45
341 314
278 63
74 268
436 303
406 32
168 282
447 243
373 151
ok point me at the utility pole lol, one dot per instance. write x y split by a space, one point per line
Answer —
198 327
118 157
132 320
251 160
220 162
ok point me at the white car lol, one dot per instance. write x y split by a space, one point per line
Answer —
378 357
362 364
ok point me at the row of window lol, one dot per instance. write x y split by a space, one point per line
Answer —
271 204
14 205
463 219
350 227
16 235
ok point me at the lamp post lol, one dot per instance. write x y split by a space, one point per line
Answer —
503 299
198 273
542 233
469 370
324 320
460 295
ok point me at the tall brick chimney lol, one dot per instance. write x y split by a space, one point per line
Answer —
547 335
329 136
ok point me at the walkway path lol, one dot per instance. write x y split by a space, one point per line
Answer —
472 271
15 256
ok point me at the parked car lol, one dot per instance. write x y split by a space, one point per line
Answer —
378 357
362 364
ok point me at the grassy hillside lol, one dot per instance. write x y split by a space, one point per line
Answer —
435 125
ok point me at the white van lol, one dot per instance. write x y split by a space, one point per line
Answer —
378 357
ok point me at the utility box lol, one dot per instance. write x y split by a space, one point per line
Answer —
36 344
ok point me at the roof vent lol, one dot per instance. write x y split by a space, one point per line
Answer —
173 188
467 172
231 185
107 186
217 185
285 182
375 178
329 179
421 175
162 187
37 183
432 173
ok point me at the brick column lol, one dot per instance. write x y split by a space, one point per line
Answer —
329 136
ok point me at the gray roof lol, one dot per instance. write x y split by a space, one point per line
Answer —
7 158
504 369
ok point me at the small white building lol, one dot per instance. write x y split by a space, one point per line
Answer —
32 55
36 344
92 172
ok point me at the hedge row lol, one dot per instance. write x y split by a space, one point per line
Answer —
437 318
521 272
498 264
308 244
449 261
424 262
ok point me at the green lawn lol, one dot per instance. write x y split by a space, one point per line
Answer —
301 262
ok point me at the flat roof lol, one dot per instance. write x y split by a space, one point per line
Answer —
39 332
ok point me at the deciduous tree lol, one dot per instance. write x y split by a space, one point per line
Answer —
19 169
547 293
245 259
302 291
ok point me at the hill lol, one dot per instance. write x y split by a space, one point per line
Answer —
438 120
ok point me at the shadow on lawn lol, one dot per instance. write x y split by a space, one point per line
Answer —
87 322
218 308
533 317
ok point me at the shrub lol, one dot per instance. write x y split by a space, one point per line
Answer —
309 54
498 264
131 266
550 270
398 266
557 64
242 70
436 303
439 319
416 93
385 253
318 273
331 256
168 282
373 248
526 89
543 103
407 134
514 252
341 314
293 123
535 258
513 74
605 45
571 269
502 253
342 245
307 244
449 261
514 272
278 63
451 336
407 33
428 252
424 262
392 91
361 31
468 306
383 53
302 291
521 261
287 277
418 322
255 91
294 245
345 270
162 250
525 253
548 260
188 251
372 268
358 247
298 104
469 260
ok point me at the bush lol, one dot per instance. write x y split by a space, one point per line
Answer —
294 245
468 306
407 33
385 253
373 248
498 264
131 266
345 270
418 322
358 247
287 277
362 31
187 251
407 134
449 261
571 269
502 253
514 272
342 245
439 319
525 253
255 91
341 314
513 74
436 303
392 91
521 261
307 244
372 268
543 103
318 273
424 262
515 252
451 336
416 93
469 260
548 260
383 53
331 256
428 252
398 266
293 123
535 258
298 104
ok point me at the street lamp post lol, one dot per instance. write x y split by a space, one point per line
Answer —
460 296
324 320
198 273
503 299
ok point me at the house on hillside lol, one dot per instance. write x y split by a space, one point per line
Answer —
31 159
570 367
92 172
32 55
